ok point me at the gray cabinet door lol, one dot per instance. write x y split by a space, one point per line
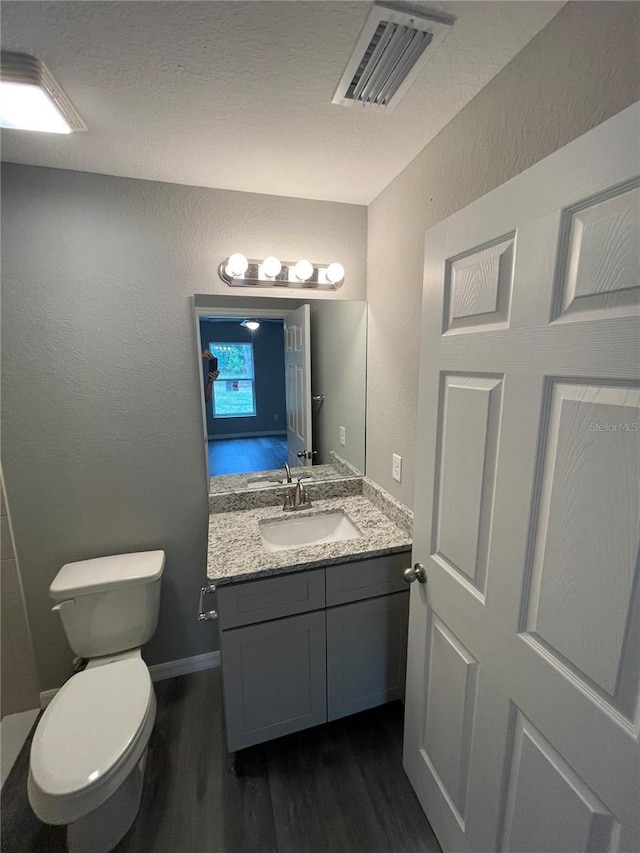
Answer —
366 654
274 678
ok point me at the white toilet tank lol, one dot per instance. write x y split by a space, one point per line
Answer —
109 604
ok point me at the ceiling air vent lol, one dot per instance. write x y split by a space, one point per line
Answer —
392 49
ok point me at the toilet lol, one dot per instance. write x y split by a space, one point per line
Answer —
89 748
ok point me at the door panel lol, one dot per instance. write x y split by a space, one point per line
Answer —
467 442
586 538
549 807
522 708
449 714
478 287
600 272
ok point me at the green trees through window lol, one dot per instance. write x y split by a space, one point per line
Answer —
234 390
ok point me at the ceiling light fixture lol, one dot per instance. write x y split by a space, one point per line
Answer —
239 271
30 99
251 324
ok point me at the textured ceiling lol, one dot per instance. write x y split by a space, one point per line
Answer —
237 95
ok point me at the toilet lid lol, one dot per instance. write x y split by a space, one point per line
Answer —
91 723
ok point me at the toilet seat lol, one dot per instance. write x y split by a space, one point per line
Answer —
90 738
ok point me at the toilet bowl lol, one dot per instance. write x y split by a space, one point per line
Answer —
89 749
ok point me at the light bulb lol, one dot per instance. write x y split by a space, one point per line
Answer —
304 270
335 273
251 324
271 266
237 264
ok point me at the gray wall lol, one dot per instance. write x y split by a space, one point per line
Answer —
101 419
19 688
578 71
339 371
268 365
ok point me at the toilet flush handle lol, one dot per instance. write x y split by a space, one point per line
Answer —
63 605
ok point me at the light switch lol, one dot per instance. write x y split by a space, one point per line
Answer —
343 436
396 468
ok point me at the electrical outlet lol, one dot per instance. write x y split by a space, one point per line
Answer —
396 468
343 436
275 417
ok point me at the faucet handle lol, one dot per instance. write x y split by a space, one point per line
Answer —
304 498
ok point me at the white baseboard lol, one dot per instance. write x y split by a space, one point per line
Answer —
161 671
262 434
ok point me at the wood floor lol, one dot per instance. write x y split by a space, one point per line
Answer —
338 788
244 455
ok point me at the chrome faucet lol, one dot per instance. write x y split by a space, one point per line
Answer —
296 498
288 470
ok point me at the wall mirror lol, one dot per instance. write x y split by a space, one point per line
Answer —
290 386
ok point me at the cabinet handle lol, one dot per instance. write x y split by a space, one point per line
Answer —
417 573
206 615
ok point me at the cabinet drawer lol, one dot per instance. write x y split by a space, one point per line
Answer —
366 578
270 598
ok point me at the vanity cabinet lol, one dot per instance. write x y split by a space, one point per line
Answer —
303 648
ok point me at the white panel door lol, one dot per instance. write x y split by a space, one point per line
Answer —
522 707
297 357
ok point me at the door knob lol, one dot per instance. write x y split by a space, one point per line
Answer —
306 454
417 573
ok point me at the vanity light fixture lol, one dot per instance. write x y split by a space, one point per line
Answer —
30 99
251 324
238 271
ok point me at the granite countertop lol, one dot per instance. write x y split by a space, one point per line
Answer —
235 482
336 469
235 550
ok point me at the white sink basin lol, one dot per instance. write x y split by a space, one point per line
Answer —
286 534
